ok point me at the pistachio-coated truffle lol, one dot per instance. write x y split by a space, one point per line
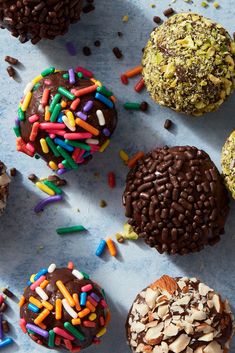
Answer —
228 163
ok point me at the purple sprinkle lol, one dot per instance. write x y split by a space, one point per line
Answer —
37 330
71 48
95 297
106 132
81 115
1 330
62 171
41 205
88 106
17 122
71 77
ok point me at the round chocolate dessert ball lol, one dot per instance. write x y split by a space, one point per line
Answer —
179 315
63 309
36 19
228 163
175 199
65 117
188 64
4 187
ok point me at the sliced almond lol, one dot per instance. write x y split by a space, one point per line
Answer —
165 283
184 300
142 309
179 344
165 347
213 347
157 349
154 333
137 327
205 328
171 330
203 289
139 348
147 349
189 350
133 343
208 337
151 296
198 315
217 303
162 310
199 349
181 284
151 324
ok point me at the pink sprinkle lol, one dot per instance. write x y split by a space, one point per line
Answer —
85 72
96 340
37 283
47 82
70 265
33 118
102 322
23 325
94 148
75 103
61 166
71 48
52 136
73 90
1 299
103 303
86 288
78 135
30 147
63 333
51 126
75 349
57 132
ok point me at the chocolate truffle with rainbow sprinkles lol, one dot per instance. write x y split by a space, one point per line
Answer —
63 309
64 118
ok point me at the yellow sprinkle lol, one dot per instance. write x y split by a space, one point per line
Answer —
104 146
63 104
47 305
26 101
70 117
92 317
44 146
36 302
53 165
98 83
32 278
44 284
22 301
45 188
37 79
124 156
101 332
47 113
76 322
216 5
125 18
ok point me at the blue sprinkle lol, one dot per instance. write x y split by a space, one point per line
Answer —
86 154
59 119
83 297
33 308
101 247
104 100
42 272
61 143
6 342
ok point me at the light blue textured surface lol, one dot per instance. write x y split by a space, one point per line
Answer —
22 232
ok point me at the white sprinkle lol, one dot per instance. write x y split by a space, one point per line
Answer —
66 122
41 293
68 308
77 274
92 141
51 268
28 88
100 117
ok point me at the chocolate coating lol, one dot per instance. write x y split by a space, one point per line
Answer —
4 187
73 285
179 315
53 82
34 20
175 199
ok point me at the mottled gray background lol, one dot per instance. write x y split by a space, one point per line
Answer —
23 234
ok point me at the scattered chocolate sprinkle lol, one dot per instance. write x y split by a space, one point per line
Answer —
33 178
11 60
144 106
13 172
169 12
97 43
8 293
117 52
157 19
120 34
88 8
86 51
11 71
5 326
3 307
103 203
167 124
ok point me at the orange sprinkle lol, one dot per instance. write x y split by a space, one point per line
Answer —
76 322
86 90
75 104
87 127
42 316
44 284
133 72
47 113
22 301
47 305
65 293
111 247
76 300
63 104
132 161
84 313
36 302
108 318
90 306
58 309
34 131
114 99
42 326
70 265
